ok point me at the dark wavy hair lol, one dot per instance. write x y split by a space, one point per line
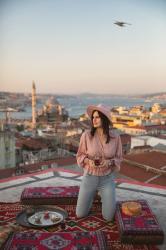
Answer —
106 124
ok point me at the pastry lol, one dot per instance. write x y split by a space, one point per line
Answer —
131 208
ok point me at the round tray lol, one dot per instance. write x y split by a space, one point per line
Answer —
24 219
42 219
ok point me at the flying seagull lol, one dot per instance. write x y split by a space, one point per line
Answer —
121 24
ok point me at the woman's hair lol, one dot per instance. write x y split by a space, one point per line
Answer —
105 125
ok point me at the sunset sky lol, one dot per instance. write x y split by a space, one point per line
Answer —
73 46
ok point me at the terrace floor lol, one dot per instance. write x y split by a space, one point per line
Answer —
155 195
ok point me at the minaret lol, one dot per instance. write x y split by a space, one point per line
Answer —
33 105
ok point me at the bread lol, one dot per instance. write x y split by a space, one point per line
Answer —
131 208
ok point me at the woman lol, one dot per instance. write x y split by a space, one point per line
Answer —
100 155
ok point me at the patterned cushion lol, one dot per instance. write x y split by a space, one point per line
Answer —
60 240
141 229
51 195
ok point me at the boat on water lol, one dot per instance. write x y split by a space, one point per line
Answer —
8 109
148 100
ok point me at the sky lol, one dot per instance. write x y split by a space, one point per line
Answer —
73 46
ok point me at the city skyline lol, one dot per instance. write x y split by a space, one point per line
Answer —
70 47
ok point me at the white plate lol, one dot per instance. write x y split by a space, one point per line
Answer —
43 221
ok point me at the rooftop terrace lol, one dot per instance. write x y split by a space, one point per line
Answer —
155 195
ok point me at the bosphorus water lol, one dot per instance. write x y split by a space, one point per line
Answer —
76 105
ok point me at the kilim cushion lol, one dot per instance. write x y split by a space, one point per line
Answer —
141 229
51 195
60 240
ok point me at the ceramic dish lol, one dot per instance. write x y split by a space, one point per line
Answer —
45 218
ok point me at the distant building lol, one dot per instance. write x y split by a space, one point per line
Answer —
7 150
52 112
163 112
154 130
147 166
156 108
126 143
120 110
136 110
129 120
146 140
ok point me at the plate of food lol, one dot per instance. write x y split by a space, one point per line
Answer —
45 218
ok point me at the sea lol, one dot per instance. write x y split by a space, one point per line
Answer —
76 105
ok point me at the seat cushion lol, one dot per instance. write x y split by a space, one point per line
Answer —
141 229
51 195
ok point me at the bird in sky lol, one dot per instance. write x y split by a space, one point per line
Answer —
121 24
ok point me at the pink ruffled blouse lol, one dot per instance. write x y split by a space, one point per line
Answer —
91 146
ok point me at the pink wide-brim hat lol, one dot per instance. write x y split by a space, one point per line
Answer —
102 108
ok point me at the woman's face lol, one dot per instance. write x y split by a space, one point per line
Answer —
96 120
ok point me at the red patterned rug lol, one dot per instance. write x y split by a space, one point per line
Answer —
56 241
93 222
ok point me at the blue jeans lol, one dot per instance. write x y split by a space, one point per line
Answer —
106 187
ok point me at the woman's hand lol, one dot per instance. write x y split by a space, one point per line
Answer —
106 163
89 162
86 160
